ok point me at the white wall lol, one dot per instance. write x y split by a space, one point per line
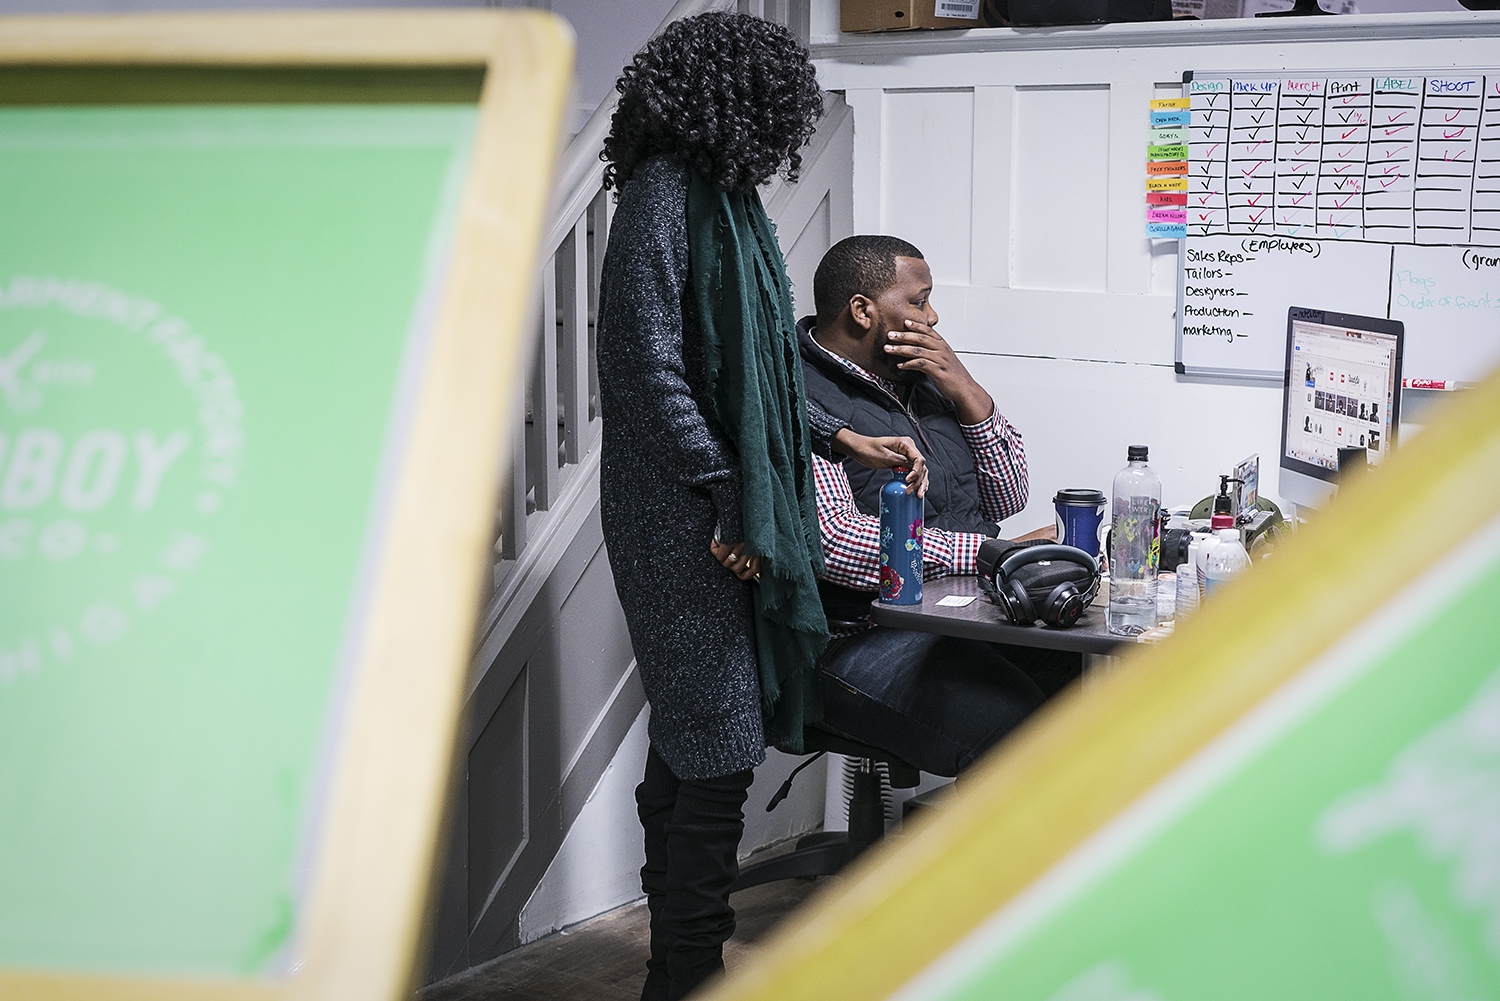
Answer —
824 14
609 34
598 866
1016 161
800 812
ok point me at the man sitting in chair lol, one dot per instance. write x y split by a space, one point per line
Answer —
873 360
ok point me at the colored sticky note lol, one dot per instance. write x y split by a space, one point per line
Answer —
1167 167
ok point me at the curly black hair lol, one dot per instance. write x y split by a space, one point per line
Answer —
733 95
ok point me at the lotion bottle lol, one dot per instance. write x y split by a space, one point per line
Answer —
1227 561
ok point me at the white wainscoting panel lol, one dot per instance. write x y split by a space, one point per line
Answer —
927 175
1041 323
994 162
1060 188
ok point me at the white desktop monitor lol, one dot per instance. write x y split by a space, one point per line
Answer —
1342 390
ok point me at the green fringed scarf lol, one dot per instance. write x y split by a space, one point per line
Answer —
755 368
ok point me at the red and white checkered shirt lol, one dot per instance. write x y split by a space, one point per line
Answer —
851 538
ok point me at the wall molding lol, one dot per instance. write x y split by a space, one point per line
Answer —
893 46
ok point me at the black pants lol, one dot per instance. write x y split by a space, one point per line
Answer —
938 702
693 833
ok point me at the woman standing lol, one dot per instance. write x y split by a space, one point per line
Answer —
706 494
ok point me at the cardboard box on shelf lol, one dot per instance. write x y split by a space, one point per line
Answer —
904 15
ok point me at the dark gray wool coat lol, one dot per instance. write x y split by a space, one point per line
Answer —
668 478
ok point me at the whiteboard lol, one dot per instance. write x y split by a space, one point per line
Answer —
1376 193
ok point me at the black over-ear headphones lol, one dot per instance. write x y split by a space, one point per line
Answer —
1030 596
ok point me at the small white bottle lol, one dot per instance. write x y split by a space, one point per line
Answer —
1200 563
1227 561
1166 597
1187 577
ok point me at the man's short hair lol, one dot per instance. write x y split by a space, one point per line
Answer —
859 265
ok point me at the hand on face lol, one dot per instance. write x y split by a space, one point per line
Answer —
908 299
922 349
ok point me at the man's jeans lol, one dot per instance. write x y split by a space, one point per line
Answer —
937 702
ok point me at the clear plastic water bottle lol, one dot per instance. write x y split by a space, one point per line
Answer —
1135 547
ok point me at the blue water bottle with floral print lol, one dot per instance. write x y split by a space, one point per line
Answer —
900 543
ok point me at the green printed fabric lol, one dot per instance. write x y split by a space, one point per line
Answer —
1355 856
203 318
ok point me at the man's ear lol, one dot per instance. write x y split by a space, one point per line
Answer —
862 311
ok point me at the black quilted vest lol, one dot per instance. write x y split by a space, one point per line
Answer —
927 418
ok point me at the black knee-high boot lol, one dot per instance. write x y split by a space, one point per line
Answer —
692 830
655 799
703 840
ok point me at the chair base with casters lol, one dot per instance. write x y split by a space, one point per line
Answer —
825 853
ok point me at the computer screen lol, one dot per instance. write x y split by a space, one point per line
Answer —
1342 390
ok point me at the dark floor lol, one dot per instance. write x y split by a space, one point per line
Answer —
605 959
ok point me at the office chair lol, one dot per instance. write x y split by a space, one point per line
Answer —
826 852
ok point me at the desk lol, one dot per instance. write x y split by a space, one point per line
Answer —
981 620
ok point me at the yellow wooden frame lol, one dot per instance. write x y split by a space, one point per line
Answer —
1097 750
369 894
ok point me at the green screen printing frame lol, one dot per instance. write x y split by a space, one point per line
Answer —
391 731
